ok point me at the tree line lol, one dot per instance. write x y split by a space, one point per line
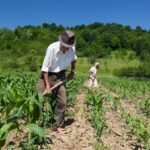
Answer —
25 46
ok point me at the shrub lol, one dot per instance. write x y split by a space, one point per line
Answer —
132 72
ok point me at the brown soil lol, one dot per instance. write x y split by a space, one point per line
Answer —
128 106
77 136
116 135
80 135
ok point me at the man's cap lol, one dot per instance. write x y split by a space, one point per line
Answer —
67 38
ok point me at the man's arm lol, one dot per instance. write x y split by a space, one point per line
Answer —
73 66
45 76
47 85
72 72
45 67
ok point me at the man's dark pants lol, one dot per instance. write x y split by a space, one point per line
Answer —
60 94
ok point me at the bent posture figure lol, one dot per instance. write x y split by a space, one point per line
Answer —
92 81
58 57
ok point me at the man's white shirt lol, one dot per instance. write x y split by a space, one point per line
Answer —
55 60
93 70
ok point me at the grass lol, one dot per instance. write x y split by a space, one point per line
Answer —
107 66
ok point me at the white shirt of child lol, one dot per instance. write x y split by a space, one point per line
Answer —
93 70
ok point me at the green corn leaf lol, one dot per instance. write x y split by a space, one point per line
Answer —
4 132
34 128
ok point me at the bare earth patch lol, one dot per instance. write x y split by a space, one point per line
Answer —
78 136
116 136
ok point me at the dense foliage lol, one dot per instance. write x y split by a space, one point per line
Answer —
23 110
24 47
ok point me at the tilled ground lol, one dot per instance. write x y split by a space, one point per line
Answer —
117 134
78 136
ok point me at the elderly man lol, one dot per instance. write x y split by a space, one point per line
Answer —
58 57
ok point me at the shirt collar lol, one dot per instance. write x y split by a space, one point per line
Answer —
59 49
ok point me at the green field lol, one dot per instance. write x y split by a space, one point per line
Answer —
107 65
20 109
127 98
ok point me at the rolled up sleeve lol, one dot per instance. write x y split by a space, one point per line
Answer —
47 59
74 54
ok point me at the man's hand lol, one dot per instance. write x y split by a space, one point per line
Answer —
47 85
70 76
47 90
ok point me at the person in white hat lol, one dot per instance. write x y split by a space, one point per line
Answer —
92 81
59 56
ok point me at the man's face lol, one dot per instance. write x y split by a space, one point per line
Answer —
64 48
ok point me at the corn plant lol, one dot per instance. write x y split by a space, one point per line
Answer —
19 106
139 128
146 106
94 102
